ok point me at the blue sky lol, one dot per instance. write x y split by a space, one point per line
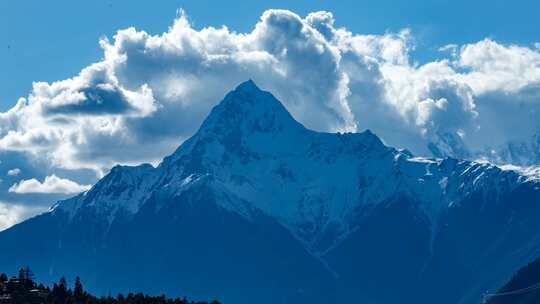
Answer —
52 40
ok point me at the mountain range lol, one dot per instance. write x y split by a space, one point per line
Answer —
255 208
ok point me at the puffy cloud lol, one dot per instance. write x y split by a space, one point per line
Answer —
157 89
14 172
55 118
505 80
51 184
497 67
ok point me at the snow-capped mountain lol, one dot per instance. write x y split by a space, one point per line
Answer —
518 153
524 153
255 207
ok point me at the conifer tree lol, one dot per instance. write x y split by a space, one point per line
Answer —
78 291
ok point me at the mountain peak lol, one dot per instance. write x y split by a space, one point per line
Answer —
246 114
248 94
247 86
251 109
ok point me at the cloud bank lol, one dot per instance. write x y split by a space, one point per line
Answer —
51 184
151 92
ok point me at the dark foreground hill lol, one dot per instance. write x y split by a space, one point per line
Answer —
523 288
256 208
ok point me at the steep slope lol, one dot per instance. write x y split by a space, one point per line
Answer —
256 207
523 288
182 244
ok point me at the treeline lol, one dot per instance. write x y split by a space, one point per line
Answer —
23 289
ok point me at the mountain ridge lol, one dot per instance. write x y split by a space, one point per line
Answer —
352 214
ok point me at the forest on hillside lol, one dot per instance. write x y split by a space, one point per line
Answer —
23 289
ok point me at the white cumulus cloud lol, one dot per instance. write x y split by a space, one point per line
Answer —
51 184
14 172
